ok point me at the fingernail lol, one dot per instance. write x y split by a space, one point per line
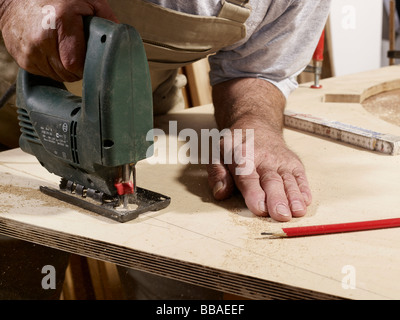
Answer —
297 206
218 186
261 206
283 210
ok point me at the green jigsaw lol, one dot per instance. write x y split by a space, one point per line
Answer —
93 142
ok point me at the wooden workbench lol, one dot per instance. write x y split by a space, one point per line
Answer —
219 244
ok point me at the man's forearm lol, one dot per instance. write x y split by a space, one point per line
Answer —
246 102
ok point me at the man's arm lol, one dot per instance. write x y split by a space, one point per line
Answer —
278 185
58 53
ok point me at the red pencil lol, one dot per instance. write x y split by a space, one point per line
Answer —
335 228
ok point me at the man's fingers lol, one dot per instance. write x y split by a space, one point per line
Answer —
304 187
71 37
296 200
287 193
274 186
220 181
276 199
253 194
72 49
103 10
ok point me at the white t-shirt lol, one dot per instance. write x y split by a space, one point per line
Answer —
281 38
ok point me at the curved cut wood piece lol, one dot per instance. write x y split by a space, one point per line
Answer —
385 105
337 112
361 97
359 87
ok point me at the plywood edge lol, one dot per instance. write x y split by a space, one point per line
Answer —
221 280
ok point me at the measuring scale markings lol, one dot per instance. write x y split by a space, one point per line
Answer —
350 134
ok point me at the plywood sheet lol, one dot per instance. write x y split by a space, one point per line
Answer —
218 244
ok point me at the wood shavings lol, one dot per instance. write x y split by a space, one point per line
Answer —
386 105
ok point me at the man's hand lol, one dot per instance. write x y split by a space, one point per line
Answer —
56 53
277 185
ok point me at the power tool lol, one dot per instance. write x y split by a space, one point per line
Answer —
93 142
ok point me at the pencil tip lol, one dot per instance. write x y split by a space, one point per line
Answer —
274 235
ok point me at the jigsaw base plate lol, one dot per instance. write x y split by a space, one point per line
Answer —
142 201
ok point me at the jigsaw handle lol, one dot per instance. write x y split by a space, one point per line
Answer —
88 138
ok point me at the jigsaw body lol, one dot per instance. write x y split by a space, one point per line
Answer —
94 142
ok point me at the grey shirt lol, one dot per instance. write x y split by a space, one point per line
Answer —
281 38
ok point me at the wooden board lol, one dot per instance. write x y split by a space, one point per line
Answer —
342 98
198 87
218 244
347 109
385 105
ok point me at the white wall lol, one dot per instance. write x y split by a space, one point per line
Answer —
355 34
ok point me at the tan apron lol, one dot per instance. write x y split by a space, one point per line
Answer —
173 39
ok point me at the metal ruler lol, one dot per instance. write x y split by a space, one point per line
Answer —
346 133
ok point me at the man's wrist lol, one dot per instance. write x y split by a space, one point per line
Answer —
249 103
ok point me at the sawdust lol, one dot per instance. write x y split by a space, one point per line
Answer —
130 207
253 225
385 105
15 196
234 206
